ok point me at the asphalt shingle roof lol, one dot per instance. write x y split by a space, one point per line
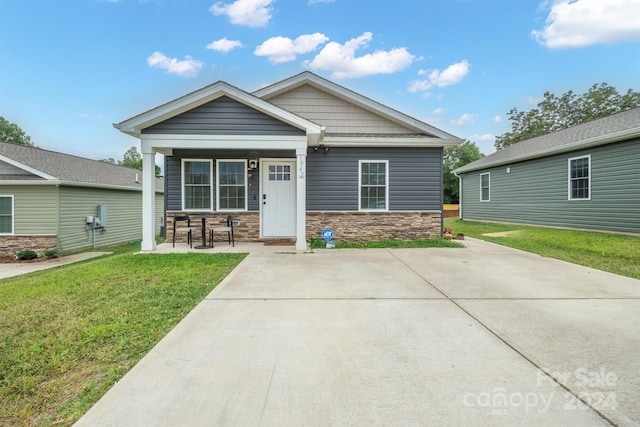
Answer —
571 138
69 168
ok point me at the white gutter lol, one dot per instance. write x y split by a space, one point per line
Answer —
55 182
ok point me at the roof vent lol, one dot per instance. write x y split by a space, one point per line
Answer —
137 180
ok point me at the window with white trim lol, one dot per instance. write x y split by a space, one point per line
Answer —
232 185
196 184
373 185
6 214
580 178
485 187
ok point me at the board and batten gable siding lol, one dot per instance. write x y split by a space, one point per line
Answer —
536 191
223 116
415 178
339 116
173 172
35 208
124 216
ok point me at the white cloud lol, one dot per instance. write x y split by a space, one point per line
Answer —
252 13
91 116
342 61
464 119
483 137
579 23
439 110
320 1
283 49
534 100
497 119
188 67
224 45
451 75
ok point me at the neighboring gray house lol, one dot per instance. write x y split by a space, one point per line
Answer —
293 158
46 197
585 177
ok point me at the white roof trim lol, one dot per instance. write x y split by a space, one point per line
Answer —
352 97
573 146
28 183
27 168
135 125
165 143
391 141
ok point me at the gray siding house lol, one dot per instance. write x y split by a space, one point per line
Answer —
46 197
293 158
583 177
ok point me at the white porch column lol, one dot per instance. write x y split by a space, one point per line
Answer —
301 199
148 198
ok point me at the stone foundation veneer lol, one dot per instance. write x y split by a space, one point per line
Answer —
11 245
372 226
347 226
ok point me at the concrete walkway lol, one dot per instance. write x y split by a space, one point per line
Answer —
18 268
484 335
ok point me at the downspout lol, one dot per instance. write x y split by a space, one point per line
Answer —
442 192
459 195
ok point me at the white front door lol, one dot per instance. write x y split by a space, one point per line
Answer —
278 208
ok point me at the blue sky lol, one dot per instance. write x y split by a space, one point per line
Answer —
69 69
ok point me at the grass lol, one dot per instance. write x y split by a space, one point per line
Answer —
615 253
68 334
318 243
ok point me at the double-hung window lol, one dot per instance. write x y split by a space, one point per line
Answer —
196 184
485 187
232 185
374 185
6 214
580 178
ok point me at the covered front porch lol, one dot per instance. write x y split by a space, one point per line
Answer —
217 128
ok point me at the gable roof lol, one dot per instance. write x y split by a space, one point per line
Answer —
135 125
341 92
44 166
259 100
614 128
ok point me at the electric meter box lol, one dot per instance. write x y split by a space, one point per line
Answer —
102 215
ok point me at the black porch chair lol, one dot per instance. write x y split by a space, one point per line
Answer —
183 229
228 229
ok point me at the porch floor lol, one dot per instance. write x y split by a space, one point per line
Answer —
220 247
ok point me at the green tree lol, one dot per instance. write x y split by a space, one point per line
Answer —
455 157
11 132
131 159
555 113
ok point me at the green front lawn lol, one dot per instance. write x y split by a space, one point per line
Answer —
619 254
68 334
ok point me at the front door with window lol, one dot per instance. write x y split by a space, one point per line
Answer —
278 198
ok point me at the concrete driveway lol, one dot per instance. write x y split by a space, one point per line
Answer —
484 335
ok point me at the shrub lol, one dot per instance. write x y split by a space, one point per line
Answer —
27 254
51 253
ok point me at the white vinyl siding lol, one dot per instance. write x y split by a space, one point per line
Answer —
197 184
373 185
232 185
580 178
6 214
485 187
